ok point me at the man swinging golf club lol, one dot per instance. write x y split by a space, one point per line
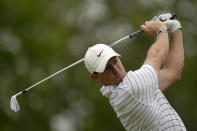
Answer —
136 96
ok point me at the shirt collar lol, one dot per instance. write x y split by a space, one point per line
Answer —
106 90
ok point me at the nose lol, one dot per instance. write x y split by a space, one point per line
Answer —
114 69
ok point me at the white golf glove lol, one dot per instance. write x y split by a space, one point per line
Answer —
172 25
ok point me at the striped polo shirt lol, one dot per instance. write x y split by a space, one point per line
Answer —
139 103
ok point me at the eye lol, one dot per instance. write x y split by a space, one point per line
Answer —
107 67
114 61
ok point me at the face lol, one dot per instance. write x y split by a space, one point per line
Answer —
113 74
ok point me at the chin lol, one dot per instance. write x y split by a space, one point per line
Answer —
117 81
120 78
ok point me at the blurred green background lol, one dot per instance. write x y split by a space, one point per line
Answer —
38 38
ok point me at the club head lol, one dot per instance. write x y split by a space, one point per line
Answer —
14 104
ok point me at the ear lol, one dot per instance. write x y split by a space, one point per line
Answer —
94 76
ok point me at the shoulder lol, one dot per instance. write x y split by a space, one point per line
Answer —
149 68
145 70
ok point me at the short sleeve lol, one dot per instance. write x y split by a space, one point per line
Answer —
143 83
148 69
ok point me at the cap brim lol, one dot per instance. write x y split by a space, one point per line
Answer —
101 66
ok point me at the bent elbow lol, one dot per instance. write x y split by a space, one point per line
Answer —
177 76
178 71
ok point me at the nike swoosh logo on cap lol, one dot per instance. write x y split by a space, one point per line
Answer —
100 53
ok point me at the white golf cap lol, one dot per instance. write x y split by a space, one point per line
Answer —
97 57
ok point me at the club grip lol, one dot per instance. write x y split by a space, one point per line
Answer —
141 31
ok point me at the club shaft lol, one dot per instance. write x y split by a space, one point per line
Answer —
115 43
79 61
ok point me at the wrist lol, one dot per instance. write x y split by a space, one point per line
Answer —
162 31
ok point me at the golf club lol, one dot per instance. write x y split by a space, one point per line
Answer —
13 102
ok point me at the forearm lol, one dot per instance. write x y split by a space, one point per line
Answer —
158 51
175 59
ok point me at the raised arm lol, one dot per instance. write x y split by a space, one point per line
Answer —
172 68
158 51
173 65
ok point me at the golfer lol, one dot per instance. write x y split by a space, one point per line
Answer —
136 96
